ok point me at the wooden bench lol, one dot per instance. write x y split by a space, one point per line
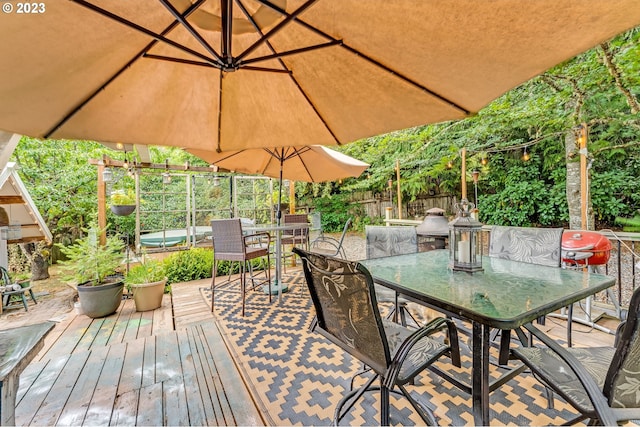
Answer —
17 347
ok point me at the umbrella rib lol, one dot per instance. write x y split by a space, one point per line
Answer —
137 56
295 82
304 164
366 57
191 30
289 52
178 60
146 31
274 30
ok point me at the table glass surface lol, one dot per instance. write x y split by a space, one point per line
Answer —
506 295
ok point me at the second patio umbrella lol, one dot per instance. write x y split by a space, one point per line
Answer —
309 163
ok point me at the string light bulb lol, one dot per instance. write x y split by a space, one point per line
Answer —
525 155
484 161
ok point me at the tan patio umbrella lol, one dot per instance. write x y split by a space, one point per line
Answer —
309 163
235 74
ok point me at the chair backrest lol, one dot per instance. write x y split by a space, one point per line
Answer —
346 308
540 246
387 241
297 219
5 279
226 235
344 231
623 376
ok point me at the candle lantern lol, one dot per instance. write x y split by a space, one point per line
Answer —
465 240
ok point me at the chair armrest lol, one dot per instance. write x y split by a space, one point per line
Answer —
326 240
262 239
598 400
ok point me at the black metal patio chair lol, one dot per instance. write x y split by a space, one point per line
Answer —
328 245
347 314
602 383
385 241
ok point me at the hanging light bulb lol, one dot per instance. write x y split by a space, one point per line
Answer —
125 164
484 161
449 164
525 156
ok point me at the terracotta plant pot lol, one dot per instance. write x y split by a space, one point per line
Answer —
123 210
148 296
101 300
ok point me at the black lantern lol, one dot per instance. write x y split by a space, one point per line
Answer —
465 240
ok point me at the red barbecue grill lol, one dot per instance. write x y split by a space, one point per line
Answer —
584 247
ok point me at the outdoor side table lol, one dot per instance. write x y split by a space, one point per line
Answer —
18 347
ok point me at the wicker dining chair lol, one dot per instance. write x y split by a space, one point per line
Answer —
229 244
347 314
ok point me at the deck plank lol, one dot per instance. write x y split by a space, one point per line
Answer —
89 336
125 409
196 408
150 406
104 396
72 335
167 358
242 406
36 394
59 393
149 362
75 409
120 328
176 407
163 318
207 377
131 378
131 332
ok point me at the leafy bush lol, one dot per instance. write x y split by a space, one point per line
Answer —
192 264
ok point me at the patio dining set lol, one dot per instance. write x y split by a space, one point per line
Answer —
523 280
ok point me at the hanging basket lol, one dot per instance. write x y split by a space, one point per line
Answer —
123 210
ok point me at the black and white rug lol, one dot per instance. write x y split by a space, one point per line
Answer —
298 376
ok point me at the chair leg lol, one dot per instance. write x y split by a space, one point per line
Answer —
384 405
213 283
33 297
243 283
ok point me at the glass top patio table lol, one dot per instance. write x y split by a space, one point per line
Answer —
506 295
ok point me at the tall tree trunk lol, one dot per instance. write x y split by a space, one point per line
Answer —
36 253
574 200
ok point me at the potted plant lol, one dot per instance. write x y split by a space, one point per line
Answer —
147 281
123 202
94 268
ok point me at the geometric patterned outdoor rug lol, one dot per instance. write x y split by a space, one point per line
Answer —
297 376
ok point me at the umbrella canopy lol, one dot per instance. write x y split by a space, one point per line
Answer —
235 74
312 163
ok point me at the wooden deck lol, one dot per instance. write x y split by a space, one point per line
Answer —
136 368
169 366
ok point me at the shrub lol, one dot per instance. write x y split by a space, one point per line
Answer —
192 264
